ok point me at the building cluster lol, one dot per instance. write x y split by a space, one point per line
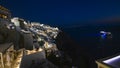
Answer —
39 32
25 44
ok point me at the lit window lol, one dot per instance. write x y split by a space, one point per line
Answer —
3 16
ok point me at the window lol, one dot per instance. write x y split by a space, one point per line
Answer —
3 16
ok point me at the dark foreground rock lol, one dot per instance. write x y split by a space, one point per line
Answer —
79 57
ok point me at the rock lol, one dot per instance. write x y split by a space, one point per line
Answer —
80 58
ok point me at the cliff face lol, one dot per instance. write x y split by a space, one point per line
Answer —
79 57
3 34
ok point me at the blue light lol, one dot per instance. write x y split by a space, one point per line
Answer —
103 36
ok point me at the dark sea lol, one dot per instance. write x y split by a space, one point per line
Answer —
88 37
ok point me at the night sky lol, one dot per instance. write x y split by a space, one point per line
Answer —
62 12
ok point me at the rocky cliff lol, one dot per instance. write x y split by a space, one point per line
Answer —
80 58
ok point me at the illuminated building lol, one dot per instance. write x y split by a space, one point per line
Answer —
5 15
24 46
6 55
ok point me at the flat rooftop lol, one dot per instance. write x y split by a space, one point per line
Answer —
115 61
112 61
